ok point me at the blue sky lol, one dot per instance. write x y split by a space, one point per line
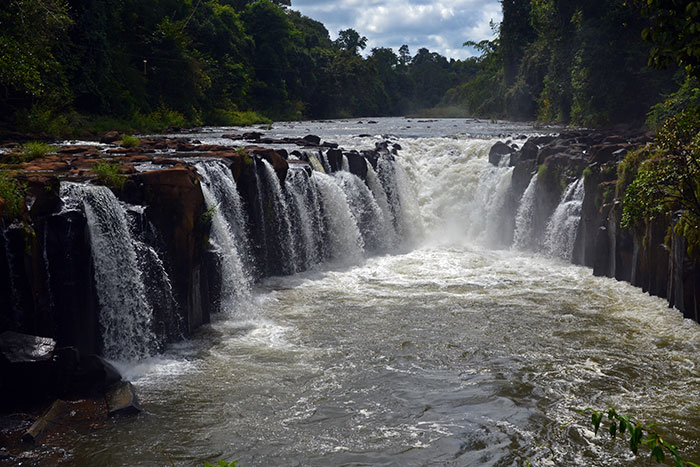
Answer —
441 26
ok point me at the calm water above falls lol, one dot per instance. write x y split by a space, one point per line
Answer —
447 353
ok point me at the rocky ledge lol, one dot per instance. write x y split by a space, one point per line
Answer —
651 257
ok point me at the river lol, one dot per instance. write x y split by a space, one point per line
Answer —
450 350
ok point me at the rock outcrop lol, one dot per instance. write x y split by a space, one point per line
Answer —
650 256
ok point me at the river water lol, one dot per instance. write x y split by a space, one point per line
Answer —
451 350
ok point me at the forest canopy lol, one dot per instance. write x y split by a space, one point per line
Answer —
162 63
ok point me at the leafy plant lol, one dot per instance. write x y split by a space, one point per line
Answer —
129 141
222 464
35 149
670 179
639 435
108 173
11 195
208 215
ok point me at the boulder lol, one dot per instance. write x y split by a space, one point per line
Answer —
312 140
22 348
335 159
357 164
110 137
52 417
122 399
497 152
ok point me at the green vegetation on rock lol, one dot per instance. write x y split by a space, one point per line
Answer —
11 196
108 173
35 149
129 141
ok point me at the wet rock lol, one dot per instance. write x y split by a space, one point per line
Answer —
357 164
110 137
312 139
77 150
252 135
175 208
497 152
529 151
185 147
21 348
335 159
122 400
52 417
276 160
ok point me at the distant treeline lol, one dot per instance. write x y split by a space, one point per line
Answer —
200 62
153 64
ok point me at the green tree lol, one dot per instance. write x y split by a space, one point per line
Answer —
675 34
350 41
29 69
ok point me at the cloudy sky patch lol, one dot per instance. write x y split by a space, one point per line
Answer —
441 26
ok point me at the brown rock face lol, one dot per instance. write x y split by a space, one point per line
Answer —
175 207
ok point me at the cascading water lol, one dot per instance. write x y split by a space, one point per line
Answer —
280 220
407 221
369 217
423 357
375 185
346 244
14 296
525 217
561 230
229 236
307 206
125 313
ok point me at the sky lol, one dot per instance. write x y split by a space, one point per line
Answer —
441 26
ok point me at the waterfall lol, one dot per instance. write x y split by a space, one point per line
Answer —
277 205
14 295
47 269
344 236
524 218
125 314
375 185
345 164
367 213
404 207
228 231
563 225
484 212
309 225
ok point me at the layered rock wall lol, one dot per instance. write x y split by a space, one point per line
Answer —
651 257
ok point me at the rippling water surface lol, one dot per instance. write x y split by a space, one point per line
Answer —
449 353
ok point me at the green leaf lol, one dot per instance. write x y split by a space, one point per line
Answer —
613 430
596 418
658 454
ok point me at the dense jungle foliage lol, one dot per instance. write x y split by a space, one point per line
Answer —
580 62
151 65
162 63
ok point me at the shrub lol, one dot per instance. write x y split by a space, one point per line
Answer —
222 117
35 149
670 179
129 141
11 194
108 174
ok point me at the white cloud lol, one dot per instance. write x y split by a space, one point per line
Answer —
441 26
